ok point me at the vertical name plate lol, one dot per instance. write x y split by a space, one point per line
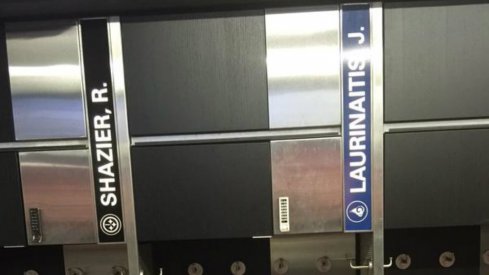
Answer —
101 120
356 89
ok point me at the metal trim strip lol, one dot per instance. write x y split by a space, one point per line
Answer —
376 22
43 145
124 142
268 135
436 125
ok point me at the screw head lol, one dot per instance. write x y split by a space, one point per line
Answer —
195 269
281 266
403 261
323 264
31 272
485 257
238 268
447 259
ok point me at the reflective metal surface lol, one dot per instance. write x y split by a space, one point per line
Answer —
43 145
308 172
303 67
437 125
376 22
306 254
59 184
89 258
124 143
45 79
237 136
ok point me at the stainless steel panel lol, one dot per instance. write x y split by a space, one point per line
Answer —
376 21
308 171
124 143
303 63
88 258
59 184
301 253
46 80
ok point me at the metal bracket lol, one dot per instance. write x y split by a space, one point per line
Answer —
369 266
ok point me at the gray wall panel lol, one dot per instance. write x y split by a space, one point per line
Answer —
436 179
200 73
436 61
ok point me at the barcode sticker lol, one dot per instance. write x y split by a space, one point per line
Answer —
283 205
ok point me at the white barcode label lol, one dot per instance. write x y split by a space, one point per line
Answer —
283 206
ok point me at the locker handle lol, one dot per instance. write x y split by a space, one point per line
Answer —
370 265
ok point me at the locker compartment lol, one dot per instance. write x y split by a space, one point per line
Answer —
437 178
425 250
6 116
32 260
312 254
12 230
202 191
303 67
435 61
58 197
45 80
307 174
232 256
195 73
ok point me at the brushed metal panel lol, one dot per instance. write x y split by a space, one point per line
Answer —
302 252
303 63
308 171
88 258
45 80
59 183
436 61
195 73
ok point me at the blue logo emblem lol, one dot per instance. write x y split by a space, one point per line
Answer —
357 211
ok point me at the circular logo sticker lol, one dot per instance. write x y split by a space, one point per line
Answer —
357 211
110 224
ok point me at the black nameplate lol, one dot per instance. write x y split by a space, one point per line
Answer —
103 140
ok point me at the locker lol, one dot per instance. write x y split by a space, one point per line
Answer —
195 73
58 197
439 72
209 191
45 80
437 178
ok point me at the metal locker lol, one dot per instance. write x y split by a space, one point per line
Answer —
435 61
303 67
209 191
437 178
312 254
58 197
45 80
195 73
12 231
307 173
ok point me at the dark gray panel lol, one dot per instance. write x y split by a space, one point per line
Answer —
6 116
12 230
203 73
215 256
43 260
424 246
436 61
203 191
436 179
